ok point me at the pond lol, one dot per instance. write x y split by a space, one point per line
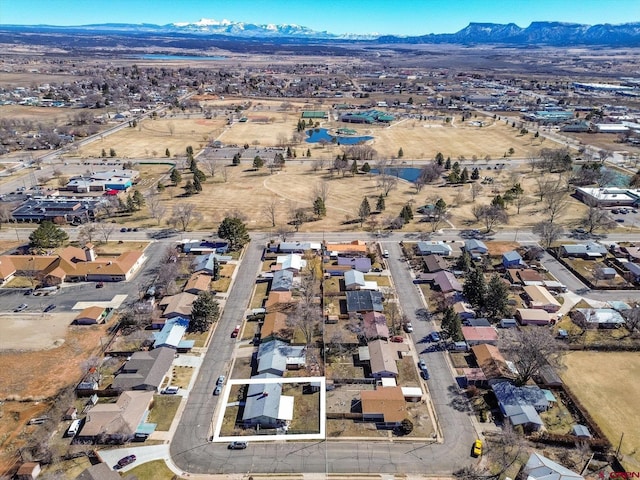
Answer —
410 174
319 134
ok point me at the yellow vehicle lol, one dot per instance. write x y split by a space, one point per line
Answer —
477 448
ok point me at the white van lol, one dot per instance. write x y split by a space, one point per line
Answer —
73 429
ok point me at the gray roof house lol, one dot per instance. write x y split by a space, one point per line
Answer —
362 264
598 317
364 301
580 431
265 405
475 246
521 404
435 263
539 467
583 250
204 263
511 259
282 281
171 335
354 280
276 356
144 370
434 248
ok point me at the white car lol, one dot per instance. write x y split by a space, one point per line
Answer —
408 327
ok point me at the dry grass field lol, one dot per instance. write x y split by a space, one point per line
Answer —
610 391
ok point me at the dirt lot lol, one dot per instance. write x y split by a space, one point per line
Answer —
610 393
33 331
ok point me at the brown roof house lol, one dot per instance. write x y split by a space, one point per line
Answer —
539 297
383 357
198 282
178 305
91 316
275 326
532 316
375 325
491 361
386 406
28 471
478 335
117 422
277 301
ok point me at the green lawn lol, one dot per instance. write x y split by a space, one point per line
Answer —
156 470
163 411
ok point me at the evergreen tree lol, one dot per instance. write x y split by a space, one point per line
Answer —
131 204
167 153
197 184
235 232
104 153
308 153
400 153
453 177
366 168
112 152
236 159
190 151
204 312
447 164
354 168
319 207
464 262
189 188
464 175
175 177
364 211
475 288
199 174
499 202
440 159
475 174
452 325
406 213
258 163
380 204
496 301
47 235
289 154
138 199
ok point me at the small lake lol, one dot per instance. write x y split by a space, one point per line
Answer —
319 134
410 174
154 56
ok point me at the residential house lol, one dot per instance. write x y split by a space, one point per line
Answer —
172 333
356 248
512 259
297 247
276 357
479 335
434 248
265 406
443 280
383 357
491 361
539 467
91 316
386 406
282 281
197 283
632 270
580 431
435 263
179 305
203 247
277 301
362 301
292 262
477 322
532 316
207 263
120 421
521 405
354 280
597 317
275 326
99 471
28 471
144 370
375 326
463 311
475 247
524 276
539 298
362 264
589 250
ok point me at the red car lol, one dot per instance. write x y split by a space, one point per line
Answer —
397 339
124 461
235 332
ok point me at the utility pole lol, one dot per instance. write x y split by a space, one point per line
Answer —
619 444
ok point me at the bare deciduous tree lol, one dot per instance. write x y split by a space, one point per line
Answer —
86 232
157 209
106 230
548 232
596 217
210 165
321 189
270 210
476 190
183 214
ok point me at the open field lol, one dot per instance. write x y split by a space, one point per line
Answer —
610 394
33 331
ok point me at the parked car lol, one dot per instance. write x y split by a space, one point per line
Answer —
123 229
170 390
21 307
397 339
435 337
235 332
237 445
217 390
425 374
28 291
220 380
49 307
385 253
99 284
408 327
477 448
422 365
124 461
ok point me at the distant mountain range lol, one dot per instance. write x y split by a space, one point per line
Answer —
538 33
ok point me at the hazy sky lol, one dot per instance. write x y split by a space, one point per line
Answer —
405 17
